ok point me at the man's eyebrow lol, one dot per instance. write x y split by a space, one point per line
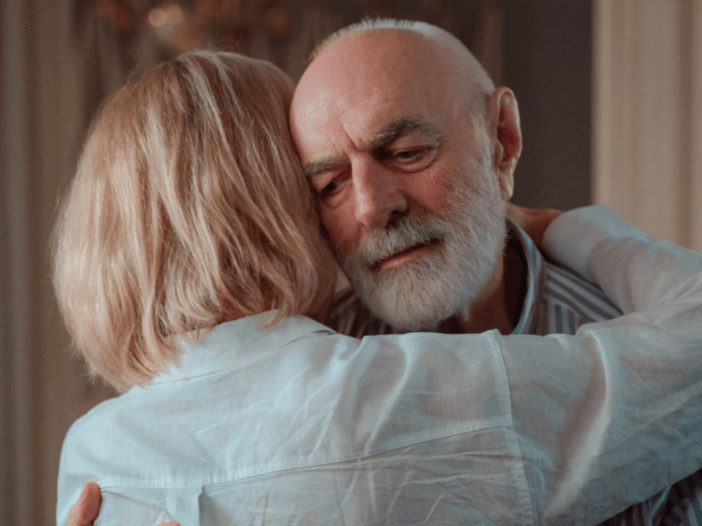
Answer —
402 126
312 170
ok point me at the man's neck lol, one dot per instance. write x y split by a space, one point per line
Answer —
500 303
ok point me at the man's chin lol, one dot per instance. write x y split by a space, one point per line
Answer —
414 313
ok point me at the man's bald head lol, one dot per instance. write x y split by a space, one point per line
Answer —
471 78
411 151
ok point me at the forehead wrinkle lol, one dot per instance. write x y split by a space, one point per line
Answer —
403 126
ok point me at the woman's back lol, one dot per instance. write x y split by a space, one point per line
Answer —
300 425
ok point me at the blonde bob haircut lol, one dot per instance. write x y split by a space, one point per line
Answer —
189 204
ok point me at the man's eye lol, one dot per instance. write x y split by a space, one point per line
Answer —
329 190
408 155
414 159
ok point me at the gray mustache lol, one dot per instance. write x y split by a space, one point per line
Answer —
380 244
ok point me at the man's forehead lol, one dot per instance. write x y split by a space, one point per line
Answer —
356 89
378 62
366 109
328 96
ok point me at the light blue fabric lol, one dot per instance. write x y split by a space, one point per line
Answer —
301 425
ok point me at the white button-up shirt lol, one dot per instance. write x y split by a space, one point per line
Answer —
301 425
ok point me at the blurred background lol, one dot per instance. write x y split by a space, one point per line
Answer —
610 93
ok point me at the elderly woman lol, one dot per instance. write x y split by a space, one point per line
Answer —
165 232
190 269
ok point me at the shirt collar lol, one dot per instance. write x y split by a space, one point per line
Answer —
528 318
235 342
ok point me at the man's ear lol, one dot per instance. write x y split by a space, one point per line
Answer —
505 135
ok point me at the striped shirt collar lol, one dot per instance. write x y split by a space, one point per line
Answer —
529 317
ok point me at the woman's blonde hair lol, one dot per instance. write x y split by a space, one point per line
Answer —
189 204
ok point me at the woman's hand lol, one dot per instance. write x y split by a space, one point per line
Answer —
86 510
533 221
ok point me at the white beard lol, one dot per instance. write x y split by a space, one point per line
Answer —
445 279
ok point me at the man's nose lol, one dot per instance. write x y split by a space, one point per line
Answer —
377 194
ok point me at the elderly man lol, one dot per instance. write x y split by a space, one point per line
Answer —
412 153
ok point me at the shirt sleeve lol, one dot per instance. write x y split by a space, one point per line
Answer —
479 428
612 415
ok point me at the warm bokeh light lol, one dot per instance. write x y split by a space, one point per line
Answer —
174 14
157 17
171 15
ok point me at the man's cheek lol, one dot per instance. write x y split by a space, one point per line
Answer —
340 227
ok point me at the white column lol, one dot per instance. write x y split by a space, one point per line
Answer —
696 127
647 121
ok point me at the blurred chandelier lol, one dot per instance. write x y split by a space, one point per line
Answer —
186 24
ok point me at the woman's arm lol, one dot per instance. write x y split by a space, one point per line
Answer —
623 397
606 417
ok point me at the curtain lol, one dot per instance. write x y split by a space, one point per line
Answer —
42 121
